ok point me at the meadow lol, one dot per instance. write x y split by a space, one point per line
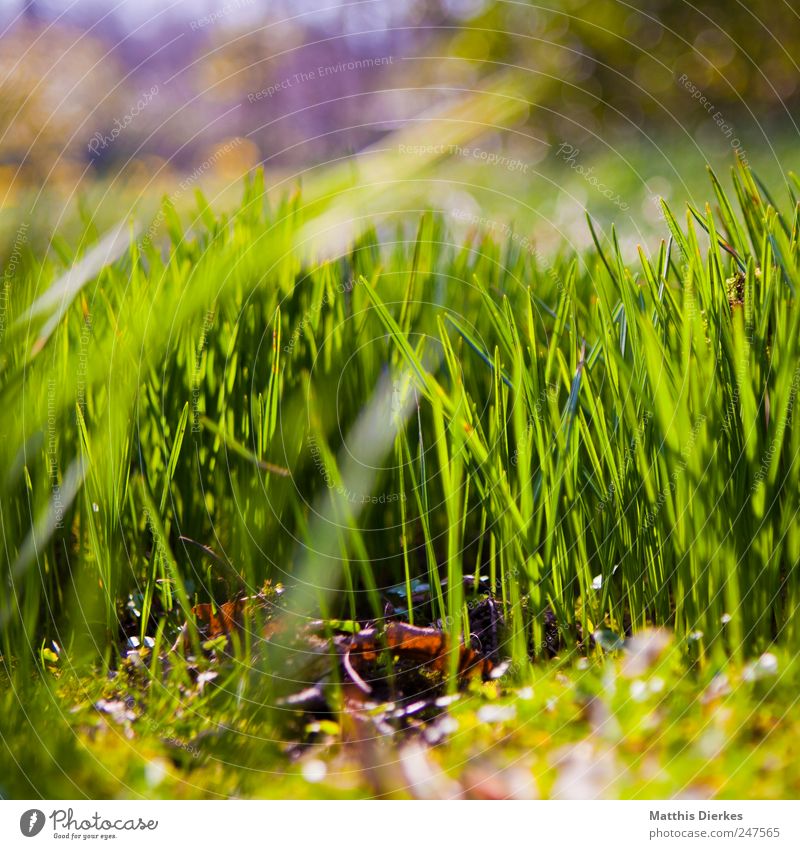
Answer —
234 442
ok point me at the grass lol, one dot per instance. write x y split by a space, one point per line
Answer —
575 730
609 441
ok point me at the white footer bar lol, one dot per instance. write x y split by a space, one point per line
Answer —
401 825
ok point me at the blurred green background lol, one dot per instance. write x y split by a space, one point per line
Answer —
115 104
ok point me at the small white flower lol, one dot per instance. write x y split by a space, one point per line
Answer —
314 770
768 663
765 667
497 713
155 772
